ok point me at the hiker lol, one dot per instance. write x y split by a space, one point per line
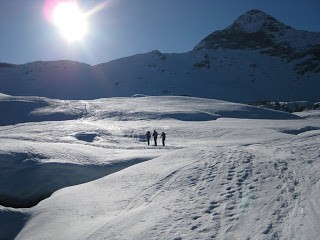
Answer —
155 137
163 136
148 137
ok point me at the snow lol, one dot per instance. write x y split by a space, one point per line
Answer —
237 75
228 171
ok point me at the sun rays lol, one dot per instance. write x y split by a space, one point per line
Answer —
71 21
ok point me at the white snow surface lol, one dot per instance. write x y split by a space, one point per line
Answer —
228 171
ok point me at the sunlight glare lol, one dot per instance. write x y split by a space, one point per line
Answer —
70 21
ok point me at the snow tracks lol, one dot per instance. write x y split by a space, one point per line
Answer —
230 192
240 192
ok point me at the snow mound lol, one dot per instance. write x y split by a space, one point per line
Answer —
33 179
178 108
35 109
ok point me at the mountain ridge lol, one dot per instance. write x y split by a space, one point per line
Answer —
255 58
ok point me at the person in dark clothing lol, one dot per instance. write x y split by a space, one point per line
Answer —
155 137
148 137
163 136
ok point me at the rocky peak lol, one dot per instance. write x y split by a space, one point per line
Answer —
256 21
253 30
256 30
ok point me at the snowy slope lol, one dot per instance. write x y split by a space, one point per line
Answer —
255 58
228 171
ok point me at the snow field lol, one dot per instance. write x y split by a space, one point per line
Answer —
228 171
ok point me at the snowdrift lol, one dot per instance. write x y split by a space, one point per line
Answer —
36 109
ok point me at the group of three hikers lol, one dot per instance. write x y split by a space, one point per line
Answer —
155 137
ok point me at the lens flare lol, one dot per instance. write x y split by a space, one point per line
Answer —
67 16
70 21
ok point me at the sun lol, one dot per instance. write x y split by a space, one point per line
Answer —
70 21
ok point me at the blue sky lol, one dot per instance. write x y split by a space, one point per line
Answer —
128 27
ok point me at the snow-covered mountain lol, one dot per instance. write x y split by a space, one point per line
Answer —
256 30
255 58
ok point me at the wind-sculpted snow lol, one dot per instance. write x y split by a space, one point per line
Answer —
33 180
228 171
35 109
178 108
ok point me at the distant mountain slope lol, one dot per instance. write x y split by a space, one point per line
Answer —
255 58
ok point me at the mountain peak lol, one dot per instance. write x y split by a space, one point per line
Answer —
255 21
254 29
